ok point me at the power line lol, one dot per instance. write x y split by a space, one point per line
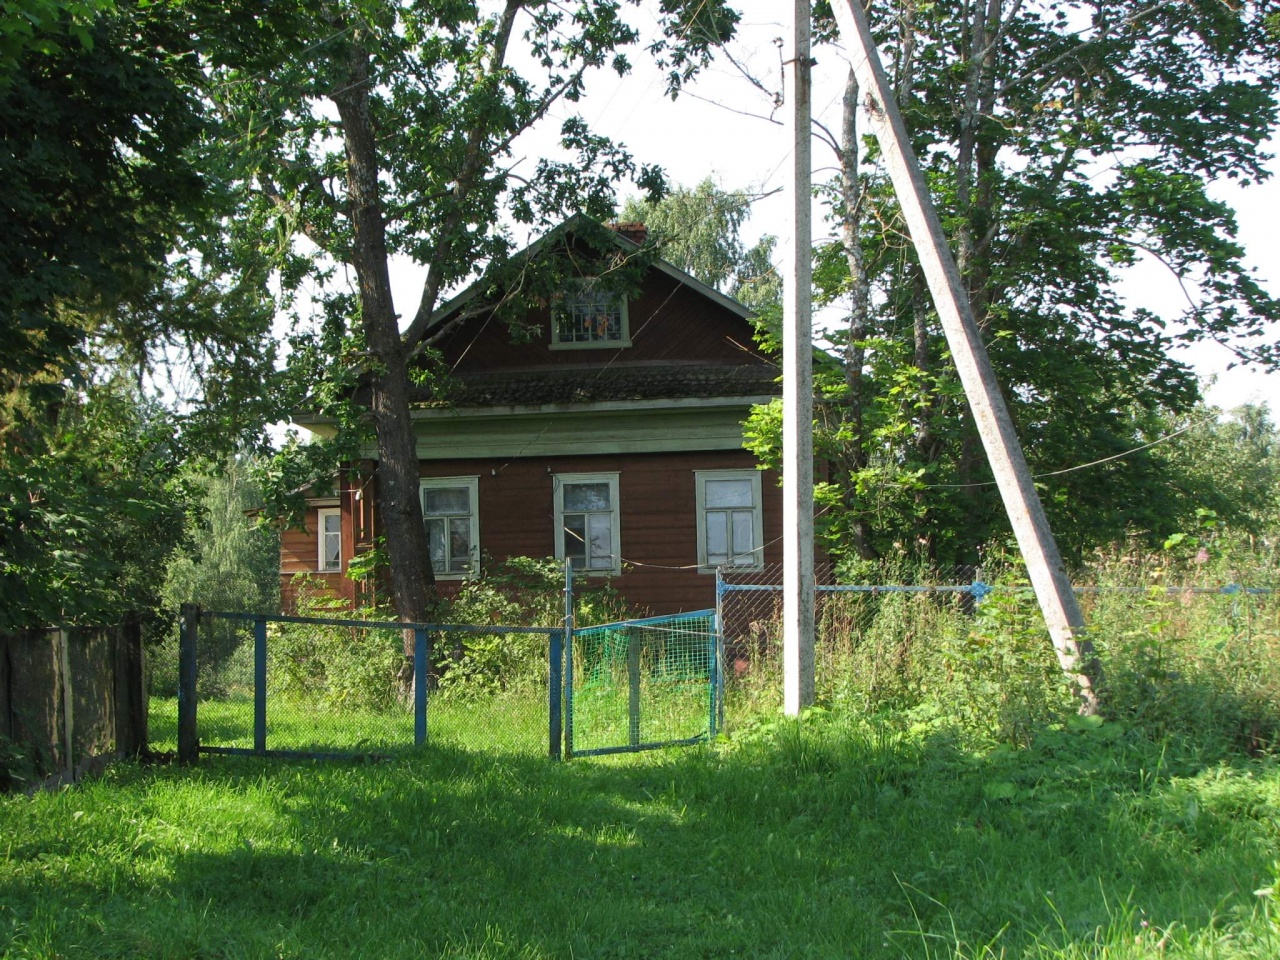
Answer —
1058 473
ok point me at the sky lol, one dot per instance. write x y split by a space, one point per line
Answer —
722 126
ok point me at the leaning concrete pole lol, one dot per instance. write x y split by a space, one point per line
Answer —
797 388
1026 514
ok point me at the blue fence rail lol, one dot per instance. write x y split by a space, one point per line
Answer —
327 687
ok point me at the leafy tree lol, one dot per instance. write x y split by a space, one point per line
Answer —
231 561
1229 464
698 229
106 211
109 276
1062 142
44 25
90 511
376 129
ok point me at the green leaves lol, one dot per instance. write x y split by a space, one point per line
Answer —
90 510
1062 144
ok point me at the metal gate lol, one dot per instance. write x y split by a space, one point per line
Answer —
642 684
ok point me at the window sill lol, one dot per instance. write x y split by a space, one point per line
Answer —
757 568
592 345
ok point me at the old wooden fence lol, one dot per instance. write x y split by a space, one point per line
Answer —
72 698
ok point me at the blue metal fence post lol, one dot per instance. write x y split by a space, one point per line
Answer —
568 659
555 678
188 665
260 685
721 590
633 687
419 686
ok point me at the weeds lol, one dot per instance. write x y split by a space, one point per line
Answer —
1191 662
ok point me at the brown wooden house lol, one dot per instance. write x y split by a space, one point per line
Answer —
610 434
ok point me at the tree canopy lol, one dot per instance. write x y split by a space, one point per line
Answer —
1061 143
698 229
368 130
111 273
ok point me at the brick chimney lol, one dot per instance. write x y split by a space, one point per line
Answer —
635 231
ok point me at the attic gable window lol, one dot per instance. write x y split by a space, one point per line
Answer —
589 316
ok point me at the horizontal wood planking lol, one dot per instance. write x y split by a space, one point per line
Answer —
657 522
668 321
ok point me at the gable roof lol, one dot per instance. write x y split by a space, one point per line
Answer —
576 223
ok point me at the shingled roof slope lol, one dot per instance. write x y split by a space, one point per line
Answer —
587 384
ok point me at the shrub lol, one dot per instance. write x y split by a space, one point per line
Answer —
516 592
337 666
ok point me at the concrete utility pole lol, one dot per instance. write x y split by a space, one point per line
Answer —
797 387
1026 514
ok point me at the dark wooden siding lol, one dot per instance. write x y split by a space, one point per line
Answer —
657 522
668 322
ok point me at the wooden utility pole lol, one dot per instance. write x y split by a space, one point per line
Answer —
797 387
1009 466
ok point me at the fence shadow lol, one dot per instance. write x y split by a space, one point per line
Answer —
813 840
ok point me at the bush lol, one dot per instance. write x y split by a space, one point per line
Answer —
357 667
517 592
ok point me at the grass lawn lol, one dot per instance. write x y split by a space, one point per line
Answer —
827 839
512 722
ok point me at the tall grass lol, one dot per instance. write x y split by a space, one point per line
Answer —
1203 665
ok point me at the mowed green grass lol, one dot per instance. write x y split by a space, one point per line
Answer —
514 722
827 838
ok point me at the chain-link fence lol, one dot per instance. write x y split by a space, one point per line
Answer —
642 684
320 686
896 645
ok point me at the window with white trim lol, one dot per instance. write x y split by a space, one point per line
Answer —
450 511
329 524
730 519
587 521
587 315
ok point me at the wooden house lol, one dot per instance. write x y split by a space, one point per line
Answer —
609 433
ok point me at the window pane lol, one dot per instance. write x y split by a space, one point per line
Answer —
586 496
600 526
743 537
445 501
589 316
332 523
717 538
435 537
332 544
575 538
459 545
728 493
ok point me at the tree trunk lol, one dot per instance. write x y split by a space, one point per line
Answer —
859 320
411 574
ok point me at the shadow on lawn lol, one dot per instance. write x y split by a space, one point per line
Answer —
815 842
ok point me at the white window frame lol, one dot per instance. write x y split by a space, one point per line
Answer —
321 514
700 478
557 305
563 479
472 485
